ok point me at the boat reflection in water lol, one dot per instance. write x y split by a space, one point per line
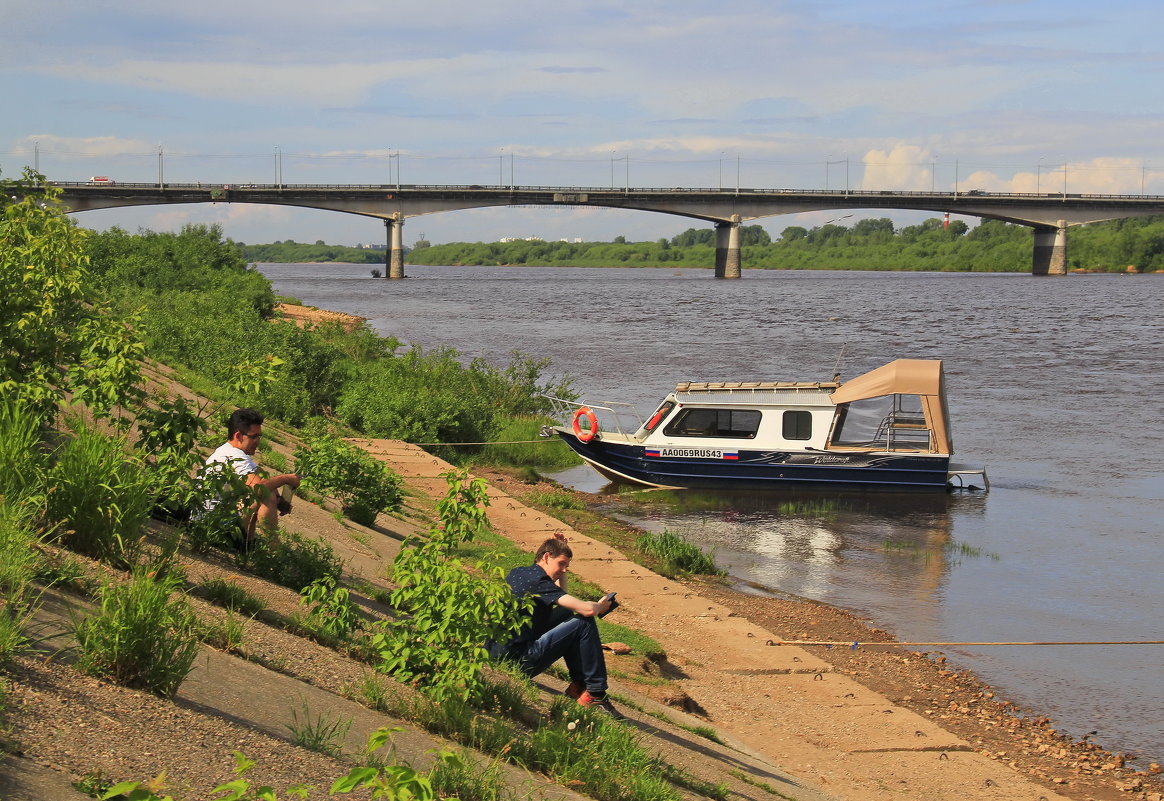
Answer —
869 552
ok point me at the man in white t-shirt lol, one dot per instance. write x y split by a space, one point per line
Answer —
244 430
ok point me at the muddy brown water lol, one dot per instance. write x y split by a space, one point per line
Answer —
1056 385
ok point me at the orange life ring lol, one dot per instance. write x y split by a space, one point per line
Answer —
579 432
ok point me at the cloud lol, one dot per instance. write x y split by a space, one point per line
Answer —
903 167
573 70
86 147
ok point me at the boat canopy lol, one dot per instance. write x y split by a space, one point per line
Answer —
921 377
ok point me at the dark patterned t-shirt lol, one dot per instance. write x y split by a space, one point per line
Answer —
532 580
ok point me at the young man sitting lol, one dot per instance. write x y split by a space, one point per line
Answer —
244 430
560 626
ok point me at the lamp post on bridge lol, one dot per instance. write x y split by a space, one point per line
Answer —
721 170
1038 176
161 175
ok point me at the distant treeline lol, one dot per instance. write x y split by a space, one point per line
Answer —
870 244
291 252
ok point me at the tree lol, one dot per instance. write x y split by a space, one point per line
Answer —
56 337
794 233
751 235
620 240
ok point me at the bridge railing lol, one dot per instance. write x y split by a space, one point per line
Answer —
764 192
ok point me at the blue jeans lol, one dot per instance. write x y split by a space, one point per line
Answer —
576 640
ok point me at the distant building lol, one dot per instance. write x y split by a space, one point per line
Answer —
521 239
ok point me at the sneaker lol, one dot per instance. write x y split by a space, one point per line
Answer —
574 690
600 704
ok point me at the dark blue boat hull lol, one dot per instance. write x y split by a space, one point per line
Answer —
756 469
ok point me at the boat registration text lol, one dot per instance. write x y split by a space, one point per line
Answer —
692 453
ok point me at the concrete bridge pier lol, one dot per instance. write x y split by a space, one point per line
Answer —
727 248
1050 252
732 266
394 257
721 246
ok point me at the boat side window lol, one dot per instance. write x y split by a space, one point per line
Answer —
796 425
731 423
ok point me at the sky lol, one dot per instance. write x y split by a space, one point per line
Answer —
998 95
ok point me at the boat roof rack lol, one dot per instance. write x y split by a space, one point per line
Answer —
749 386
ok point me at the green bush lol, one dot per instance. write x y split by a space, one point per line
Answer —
98 496
140 637
332 611
448 613
533 450
295 562
168 435
362 484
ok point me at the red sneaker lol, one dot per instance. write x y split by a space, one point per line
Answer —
575 689
601 704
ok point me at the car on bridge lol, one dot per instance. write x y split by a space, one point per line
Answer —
101 180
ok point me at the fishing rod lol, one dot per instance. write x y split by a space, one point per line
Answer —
856 643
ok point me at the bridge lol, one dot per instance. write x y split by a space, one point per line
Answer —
1048 214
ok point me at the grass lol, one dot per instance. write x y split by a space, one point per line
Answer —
951 551
140 637
676 555
455 775
22 458
231 596
63 569
553 499
746 779
19 563
575 747
225 636
318 733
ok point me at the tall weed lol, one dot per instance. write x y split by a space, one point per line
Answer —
678 556
140 636
22 457
98 497
19 561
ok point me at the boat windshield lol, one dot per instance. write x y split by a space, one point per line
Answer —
893 422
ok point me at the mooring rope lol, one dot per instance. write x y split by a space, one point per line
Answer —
855 644
511 442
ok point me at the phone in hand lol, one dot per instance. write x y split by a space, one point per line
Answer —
613 604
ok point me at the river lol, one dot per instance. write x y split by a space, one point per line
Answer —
1055 384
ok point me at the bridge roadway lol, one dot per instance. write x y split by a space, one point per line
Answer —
1048 214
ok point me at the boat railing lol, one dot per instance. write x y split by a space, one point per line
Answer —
617 416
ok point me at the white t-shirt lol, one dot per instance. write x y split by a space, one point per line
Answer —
239 460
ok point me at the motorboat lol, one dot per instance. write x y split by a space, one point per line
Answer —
888 428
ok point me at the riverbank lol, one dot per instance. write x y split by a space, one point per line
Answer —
786 722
